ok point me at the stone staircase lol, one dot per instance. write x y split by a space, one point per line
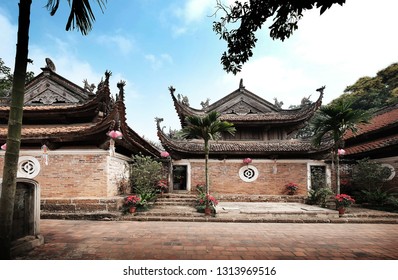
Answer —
169 207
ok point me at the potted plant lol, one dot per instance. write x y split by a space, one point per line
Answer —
291 188
131 202
203 199
162 186
342 202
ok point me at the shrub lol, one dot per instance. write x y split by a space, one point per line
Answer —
319 196
369 175
202 198
145 174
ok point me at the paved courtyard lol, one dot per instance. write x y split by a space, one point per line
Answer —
128 240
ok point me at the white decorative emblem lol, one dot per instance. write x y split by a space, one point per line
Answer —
248 173
28 167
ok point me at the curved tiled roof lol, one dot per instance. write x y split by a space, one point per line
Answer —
377 138
293 147
273 114
73 130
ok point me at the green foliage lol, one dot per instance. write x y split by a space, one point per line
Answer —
369 175
318 177
207 127
146 198
145 174
319 196
250 16
6 78
372 93
376 197
202 198
335 120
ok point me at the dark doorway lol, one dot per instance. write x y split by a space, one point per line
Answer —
318 177
179 177
23 220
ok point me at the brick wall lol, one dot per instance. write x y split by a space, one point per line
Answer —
77 173
118 169
272 178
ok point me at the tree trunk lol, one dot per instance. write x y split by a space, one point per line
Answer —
14 131
207 175
337 174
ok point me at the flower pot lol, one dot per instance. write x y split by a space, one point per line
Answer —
132 209
207 211
341 211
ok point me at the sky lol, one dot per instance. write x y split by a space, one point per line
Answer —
154 44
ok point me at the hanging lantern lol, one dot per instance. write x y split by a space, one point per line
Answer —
341 152
164 154
4 146
115 134
247 160
44 156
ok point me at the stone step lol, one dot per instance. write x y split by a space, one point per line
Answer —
176 203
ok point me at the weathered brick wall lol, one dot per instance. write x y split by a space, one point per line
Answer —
224 177
118 169
77 173
74 175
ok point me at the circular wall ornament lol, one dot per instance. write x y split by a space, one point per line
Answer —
248 173
28 167
392 169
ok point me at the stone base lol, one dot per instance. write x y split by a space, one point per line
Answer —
25 244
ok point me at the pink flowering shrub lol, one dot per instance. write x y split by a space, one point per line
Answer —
344 200
131 200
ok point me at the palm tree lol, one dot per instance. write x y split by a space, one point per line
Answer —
208 127
80 17
334 121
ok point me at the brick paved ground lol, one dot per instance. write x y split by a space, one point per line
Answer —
128 240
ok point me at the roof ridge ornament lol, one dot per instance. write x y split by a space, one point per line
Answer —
241 86
50 64
120 86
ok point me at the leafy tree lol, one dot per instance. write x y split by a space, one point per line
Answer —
208 127
372 93
250 16
6 78
334 121
80 17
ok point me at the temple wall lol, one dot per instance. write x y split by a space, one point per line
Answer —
272 176
118 169
85 173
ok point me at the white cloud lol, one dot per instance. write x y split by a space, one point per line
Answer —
125 45
334 49
8 39
157 62
190 14
195 10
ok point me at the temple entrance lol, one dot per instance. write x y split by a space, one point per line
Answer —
26 209
179 177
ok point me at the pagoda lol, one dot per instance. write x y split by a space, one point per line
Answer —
76 144
260 159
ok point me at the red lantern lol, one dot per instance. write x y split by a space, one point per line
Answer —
341 152
4 147
247 160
